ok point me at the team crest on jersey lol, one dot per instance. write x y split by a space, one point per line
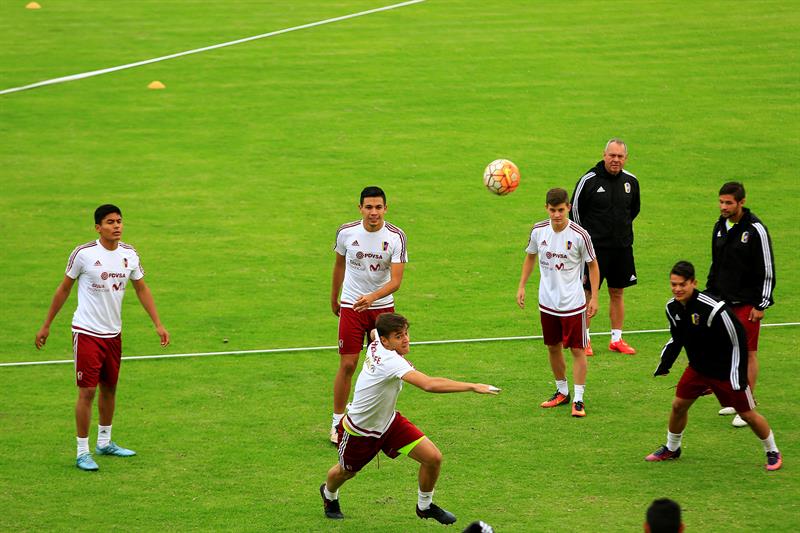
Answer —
627 187
355 243
745 236
569 245
695 319
385 246
125 262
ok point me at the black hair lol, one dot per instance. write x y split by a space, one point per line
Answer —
372 192
683 269
734 188
664 516
388 323
104 210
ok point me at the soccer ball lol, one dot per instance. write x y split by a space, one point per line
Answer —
501 177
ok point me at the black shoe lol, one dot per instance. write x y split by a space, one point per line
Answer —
437 513
331 506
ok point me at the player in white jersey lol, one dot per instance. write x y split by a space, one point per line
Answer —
103 269
372 424
562 247
370 258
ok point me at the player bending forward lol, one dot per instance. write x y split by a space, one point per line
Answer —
371 424
716 347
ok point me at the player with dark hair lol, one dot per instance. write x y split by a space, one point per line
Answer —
371 256
561 247
103 269
372 424
605 203
714 341
742 271
663 516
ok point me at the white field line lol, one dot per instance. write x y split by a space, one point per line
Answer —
205 48
318 348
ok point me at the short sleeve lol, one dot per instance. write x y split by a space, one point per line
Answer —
138 272
399 251
532 247
340 246
398 367
75 264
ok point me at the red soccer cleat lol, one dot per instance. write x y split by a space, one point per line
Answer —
555 400
622 347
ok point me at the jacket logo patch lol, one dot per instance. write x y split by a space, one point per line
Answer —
601 189
695 319
677 317
627 187
745 236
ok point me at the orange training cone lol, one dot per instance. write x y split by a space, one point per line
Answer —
156 85
33 5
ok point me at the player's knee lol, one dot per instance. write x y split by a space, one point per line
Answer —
86 394
679 406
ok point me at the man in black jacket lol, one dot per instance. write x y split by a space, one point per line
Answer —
605 202
714 341
742 271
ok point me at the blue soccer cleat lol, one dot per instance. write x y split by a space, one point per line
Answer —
112 449
85 462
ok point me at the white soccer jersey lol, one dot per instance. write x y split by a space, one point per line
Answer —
102 276
368 260
377 387
561 257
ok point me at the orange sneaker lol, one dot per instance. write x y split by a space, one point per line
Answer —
589 351
578 410
622 347
556 399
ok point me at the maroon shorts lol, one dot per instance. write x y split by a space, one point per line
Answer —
97 360
693 384
742 312
354 326
356 452
568 330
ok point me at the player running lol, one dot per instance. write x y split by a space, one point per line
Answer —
103 269
716 347
370 258
372 424
562 247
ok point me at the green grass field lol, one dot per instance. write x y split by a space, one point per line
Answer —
234 179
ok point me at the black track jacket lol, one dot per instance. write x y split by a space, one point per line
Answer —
742 266
712 336
605 205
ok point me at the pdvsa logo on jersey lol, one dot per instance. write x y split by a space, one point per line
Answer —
696 319
551 255
112 275
627 187
745 237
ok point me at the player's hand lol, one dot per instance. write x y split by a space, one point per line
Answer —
164 334
480 388
363 303
335 307
755 315
661 371
591 307
521 297
41 337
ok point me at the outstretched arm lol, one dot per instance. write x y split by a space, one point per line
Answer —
146 299
61 295
441 385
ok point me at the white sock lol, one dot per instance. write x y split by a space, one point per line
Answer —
337 417
588 335
769 443
563 386
616 334
103 435
424 499
674 440
579 393
83 445
330 495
